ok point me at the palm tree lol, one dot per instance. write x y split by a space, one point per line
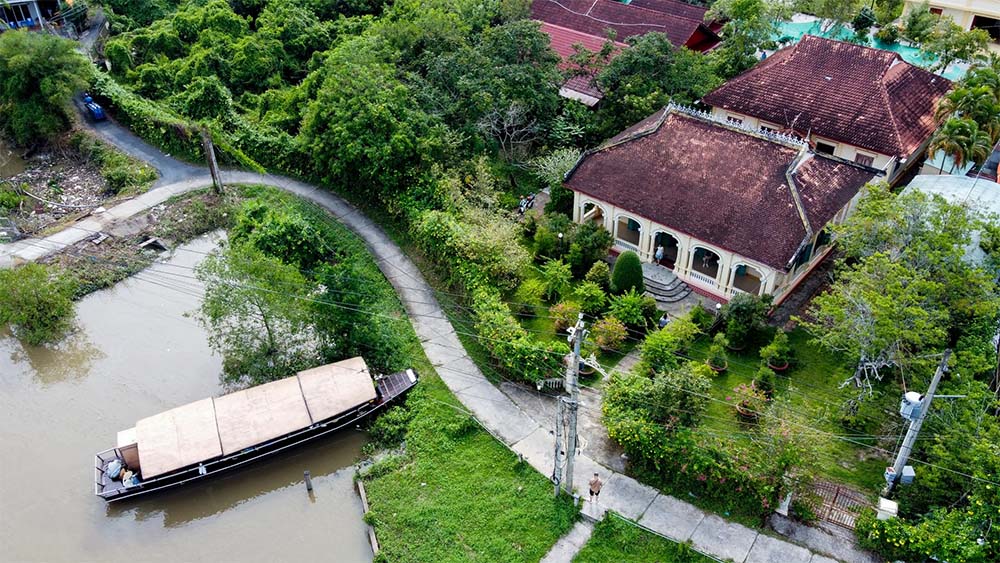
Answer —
962 140
980 103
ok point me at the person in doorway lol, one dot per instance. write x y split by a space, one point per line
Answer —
595 487
659 253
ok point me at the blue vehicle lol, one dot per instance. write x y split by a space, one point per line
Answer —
94 110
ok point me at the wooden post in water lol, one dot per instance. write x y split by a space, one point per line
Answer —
309 481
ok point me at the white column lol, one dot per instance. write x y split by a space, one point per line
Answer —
722 276
577 208
645 241
731 279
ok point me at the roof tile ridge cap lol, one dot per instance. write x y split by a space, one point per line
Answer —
665 15
215 417
597 19
888 109
798 161
304 401
635 134
584 33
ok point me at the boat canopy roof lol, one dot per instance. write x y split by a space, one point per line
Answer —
209 428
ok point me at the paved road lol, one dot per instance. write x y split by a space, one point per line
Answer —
664 514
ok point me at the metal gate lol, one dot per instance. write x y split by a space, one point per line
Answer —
841 505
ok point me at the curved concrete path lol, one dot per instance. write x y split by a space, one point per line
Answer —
663 514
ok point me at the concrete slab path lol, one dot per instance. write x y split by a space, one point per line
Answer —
501 416
569 545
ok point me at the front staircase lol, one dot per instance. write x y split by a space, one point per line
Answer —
663 285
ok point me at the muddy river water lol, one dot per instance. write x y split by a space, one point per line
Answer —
136 354
11 162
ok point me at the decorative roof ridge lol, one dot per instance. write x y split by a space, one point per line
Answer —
791 141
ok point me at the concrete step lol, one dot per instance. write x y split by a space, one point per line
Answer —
667 293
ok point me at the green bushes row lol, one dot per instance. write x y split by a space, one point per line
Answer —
741 480
148 120
482 263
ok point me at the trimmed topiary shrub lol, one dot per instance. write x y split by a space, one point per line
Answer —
627 273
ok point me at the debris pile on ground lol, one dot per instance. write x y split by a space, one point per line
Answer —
55 187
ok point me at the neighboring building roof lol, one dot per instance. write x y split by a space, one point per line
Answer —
677 8
861 96
562 40
595 17
720 183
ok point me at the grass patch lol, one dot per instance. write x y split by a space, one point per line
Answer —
616 540
458 494
809 391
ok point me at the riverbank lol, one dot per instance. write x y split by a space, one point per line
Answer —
135 352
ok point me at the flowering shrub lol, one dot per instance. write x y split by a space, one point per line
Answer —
564 315
609 333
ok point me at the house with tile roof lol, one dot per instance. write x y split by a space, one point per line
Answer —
587 23
734 208
967 14
858 103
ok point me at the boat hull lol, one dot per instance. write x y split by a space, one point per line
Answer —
392 388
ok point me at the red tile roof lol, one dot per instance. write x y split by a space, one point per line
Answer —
562 41
672 7
718 183
595 17
857 95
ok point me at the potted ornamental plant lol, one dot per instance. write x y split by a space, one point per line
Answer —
777 353
750 402
718 360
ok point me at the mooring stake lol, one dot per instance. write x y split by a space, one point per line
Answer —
309 481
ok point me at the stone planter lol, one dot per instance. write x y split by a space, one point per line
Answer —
717 369
746 414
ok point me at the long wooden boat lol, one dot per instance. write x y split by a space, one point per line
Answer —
206 437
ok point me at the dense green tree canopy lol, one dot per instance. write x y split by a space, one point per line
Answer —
906 287
39 74
750 26
647 75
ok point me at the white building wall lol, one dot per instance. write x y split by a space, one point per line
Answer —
774 282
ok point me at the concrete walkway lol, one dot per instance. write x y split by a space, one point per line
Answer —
569 545
667 515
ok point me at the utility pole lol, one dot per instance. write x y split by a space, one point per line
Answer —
576 336
911 433
213 165
556 466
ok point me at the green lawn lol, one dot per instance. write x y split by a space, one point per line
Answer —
460 495
811 399
617 540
